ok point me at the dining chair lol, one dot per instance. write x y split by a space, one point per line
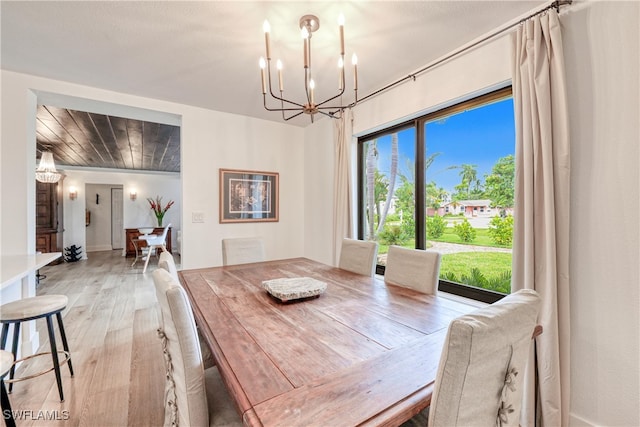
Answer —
413 268
480 375
358 256
166 262
155 241
242 250
193 396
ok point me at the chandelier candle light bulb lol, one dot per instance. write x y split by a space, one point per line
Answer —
267 28
354 61
263 64
332 106
279 67
305 37
341 25
312 86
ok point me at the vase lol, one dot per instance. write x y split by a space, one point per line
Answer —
159 218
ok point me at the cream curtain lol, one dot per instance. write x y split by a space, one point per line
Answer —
342 227
541 234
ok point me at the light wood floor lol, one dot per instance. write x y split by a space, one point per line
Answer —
111 323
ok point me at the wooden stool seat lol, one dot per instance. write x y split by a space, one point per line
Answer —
33 308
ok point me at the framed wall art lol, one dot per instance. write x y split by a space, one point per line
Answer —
248 196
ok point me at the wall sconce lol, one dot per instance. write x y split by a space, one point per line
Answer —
133 196
73 193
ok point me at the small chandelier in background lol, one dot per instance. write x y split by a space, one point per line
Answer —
308 25
47 172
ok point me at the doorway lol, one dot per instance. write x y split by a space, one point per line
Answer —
105 230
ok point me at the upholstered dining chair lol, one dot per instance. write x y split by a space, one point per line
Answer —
413 268
193 396
155 241
358 256
166 261
480 376
242 250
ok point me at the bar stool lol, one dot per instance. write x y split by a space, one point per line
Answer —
33 308
6 362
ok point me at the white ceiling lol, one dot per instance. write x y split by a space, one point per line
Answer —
206 53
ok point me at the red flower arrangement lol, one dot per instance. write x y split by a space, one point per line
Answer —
158 210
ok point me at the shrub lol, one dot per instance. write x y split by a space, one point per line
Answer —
465 231
501 230
409 227
392 235
500 283
435 226
394 217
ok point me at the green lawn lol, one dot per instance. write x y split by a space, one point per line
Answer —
490 263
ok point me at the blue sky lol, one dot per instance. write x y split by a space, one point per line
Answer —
479 137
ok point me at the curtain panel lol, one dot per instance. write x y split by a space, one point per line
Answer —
342 227
541 230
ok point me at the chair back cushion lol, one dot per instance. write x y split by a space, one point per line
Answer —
413 268
358 256
480 375
167 262
186 400
242 250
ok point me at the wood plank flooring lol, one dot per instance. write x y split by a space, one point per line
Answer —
111 323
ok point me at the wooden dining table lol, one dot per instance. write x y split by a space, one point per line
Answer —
362 353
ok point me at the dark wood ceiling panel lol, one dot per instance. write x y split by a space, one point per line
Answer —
119 127
50 123
106 143
95 151
78 138
134 133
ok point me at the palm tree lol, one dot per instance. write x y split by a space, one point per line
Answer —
372 155
393 171
469 175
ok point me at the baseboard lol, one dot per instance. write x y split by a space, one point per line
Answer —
576 421
99 248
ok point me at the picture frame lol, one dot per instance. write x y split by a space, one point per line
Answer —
248 196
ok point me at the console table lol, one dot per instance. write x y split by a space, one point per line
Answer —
133 234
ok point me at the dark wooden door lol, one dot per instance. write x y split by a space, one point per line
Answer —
49 217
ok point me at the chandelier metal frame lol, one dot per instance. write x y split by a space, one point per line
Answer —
308 25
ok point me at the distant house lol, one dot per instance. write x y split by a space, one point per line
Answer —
472 208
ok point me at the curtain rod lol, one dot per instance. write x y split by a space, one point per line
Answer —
555 4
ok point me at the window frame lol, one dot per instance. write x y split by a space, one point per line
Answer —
418 123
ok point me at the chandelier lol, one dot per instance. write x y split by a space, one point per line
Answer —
46 171
329 107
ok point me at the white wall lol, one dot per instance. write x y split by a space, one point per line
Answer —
602 62
210 140
318 186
